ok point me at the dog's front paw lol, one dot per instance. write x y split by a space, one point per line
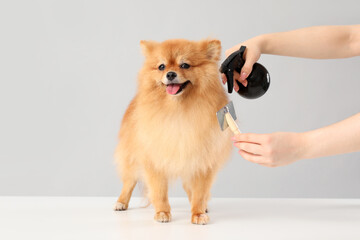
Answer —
201 219
120 206
163 217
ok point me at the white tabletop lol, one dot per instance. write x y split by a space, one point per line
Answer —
230 218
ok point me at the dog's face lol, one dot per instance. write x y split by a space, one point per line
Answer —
178 67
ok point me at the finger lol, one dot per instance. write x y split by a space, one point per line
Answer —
250 157
248 137
244 82
247 68
236 86
252 148
223 77
270 165
237 77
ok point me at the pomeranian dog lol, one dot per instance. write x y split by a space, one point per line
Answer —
170 129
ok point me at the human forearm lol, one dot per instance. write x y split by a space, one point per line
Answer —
338 138
282 148
321 42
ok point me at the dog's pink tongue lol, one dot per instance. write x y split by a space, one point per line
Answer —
172 88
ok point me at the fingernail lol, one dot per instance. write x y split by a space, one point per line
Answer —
243 76
236 88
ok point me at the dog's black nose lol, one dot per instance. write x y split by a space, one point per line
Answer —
171 75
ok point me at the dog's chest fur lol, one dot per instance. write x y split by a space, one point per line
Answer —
182 139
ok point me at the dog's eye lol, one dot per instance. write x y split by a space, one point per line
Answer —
161 67
185 66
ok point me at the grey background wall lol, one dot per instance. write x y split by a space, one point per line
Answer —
68 72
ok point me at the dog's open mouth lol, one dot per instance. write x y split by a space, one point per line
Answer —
176 88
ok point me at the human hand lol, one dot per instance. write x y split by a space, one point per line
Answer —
270 150
251 55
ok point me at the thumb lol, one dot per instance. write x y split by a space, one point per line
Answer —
247 68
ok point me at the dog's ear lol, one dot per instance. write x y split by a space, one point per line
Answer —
212 47
147 47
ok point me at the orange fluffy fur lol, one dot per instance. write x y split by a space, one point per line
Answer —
164 136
